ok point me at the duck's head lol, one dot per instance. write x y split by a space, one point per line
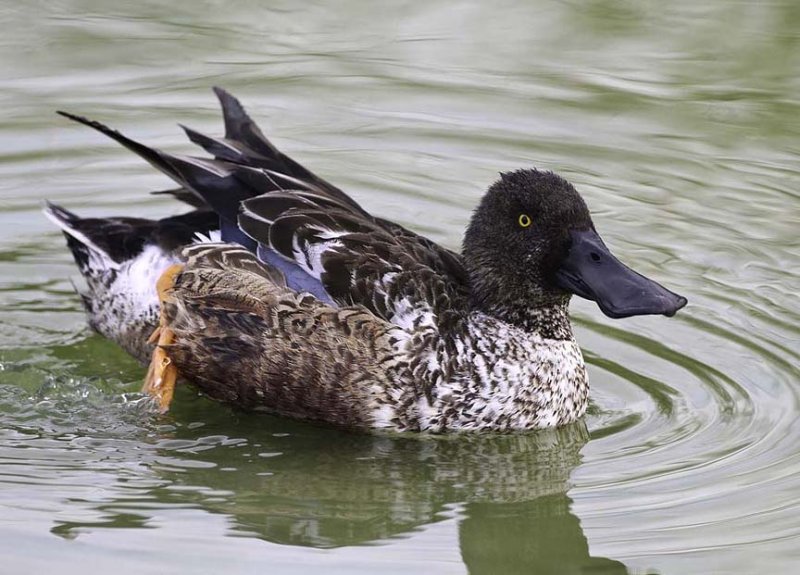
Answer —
531 244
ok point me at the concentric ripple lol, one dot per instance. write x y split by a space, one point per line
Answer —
681 135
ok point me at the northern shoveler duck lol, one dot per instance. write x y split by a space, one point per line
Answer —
312 308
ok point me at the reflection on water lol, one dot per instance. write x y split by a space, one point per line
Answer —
327 489
541 536
678 123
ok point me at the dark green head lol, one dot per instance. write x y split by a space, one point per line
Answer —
531 244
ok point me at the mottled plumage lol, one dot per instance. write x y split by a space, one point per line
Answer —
325 312
121 259
245 338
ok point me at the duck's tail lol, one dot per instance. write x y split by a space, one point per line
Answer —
245 165
245 145
87 239
93 260
120 260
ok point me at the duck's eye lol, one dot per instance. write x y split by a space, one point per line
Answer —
524 220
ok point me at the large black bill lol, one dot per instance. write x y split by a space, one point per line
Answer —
591 271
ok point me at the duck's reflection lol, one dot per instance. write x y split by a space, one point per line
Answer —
300 485
342 489
537 536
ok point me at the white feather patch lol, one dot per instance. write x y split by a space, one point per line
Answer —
327 233
107 262
142 272
309 256
212 237
409 316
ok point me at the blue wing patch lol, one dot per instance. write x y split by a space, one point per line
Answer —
296 277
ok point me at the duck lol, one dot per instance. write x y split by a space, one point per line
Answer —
279 293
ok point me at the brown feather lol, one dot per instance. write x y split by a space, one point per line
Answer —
245 339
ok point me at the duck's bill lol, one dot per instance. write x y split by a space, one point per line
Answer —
591 271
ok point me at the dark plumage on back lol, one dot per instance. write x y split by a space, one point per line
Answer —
306 226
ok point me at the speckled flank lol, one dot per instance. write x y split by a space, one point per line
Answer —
346 366
122 304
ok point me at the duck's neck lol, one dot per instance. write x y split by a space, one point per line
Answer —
550 320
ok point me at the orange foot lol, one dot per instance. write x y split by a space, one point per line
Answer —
162 373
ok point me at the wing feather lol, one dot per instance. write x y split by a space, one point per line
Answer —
359 259
322 240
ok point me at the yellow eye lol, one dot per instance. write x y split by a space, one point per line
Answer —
525 220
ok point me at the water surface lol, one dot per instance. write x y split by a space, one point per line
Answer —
678 123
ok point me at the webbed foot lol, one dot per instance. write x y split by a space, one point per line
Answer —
162 374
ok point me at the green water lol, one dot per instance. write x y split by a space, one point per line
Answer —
679 123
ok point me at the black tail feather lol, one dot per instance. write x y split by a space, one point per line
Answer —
183 195
81 234
240 127
118 239
246 165
211 180
63 215
156 158
220 149
261 153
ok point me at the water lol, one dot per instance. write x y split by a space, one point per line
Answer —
678 123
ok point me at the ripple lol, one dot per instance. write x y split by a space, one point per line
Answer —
681 136
712 445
